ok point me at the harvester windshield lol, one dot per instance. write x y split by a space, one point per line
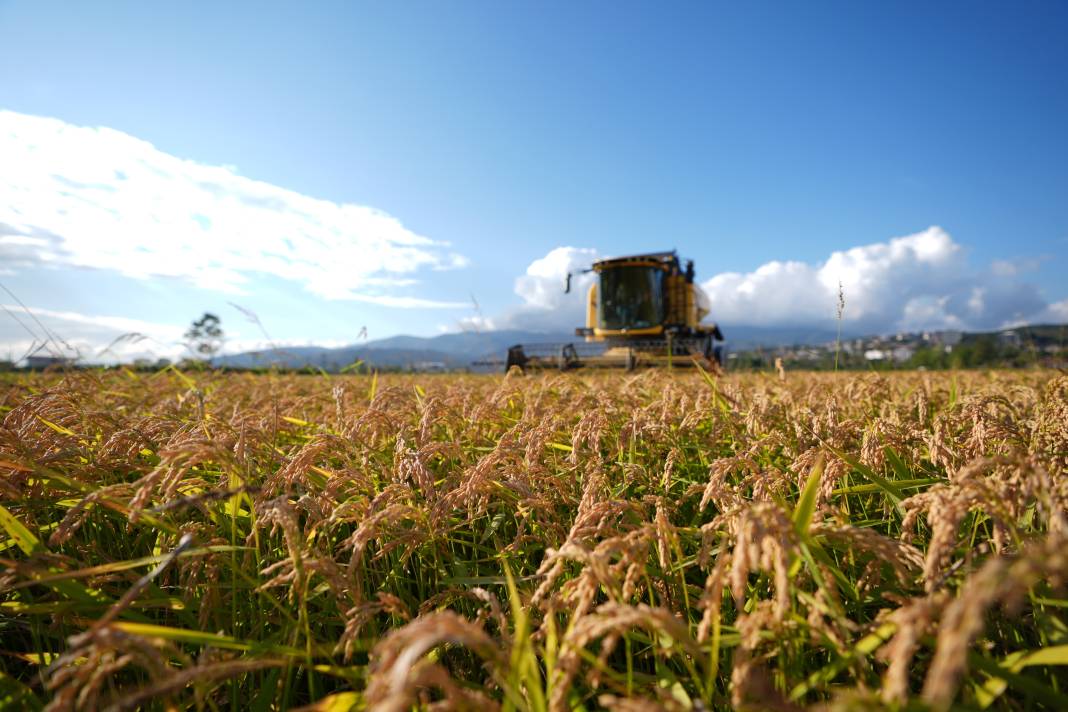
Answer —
631 298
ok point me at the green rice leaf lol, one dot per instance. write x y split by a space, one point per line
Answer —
58 428
15 529
213 640
31 545
862 649
806 503
16 696
339 702
890 489
1029 686
117 566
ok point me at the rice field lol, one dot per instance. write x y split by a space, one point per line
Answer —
204 541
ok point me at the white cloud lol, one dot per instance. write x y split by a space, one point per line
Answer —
75 335
92 338
546 307
1004 268
543 284
915 282
912 282
1017 266
119 324
1055 313
386 300
871 276
470 323
99 198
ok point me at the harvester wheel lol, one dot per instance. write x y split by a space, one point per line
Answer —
711 352
568 358
632 360
516 357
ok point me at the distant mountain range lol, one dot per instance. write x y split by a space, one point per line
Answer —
459 350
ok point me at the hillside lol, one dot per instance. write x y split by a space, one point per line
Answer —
458 350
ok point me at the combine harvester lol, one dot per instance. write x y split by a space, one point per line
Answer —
642 310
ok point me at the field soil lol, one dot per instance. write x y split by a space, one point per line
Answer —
195 540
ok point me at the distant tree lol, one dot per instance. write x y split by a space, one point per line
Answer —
205 336
929 357
982 351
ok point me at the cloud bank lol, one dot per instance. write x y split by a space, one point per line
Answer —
69 334
920 281
94 338
916 282
546 307
72 196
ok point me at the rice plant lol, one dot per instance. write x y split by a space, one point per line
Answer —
652 541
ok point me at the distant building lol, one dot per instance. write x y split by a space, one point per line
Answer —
1010 337
902 353
429 366
39 363
944 338
874 355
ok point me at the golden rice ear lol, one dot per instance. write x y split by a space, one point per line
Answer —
399 669
664 539
999 580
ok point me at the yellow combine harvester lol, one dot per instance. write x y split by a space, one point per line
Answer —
642 310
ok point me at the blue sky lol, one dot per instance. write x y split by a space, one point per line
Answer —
380 164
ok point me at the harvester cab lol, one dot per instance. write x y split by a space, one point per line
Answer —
641 310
